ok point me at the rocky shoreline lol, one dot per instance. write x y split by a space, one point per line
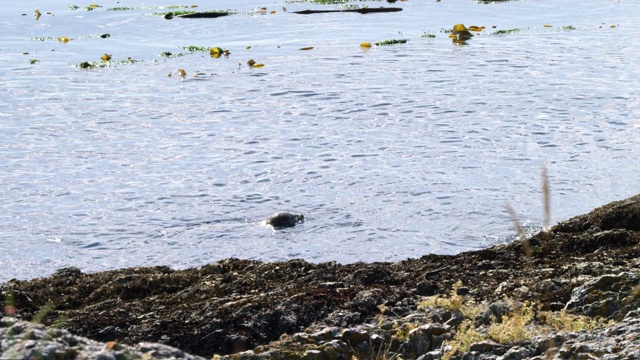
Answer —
569 293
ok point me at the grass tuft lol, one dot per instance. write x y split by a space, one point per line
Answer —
453 302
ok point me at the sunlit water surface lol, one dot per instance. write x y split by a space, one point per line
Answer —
391 152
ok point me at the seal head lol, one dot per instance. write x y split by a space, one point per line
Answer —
283 220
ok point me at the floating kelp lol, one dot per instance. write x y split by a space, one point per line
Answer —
43 38
365 44
428 36
253 64
169 15
568 28
194 48
168 54
328 2
493 1
216 52
360 11
322 2
106 57
104 64
64 39
460 34
33 61
391 42
129 8
205 15
476 28
38 14
507 31
307 48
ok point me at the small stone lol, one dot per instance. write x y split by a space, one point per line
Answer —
516 353
353 336
313 355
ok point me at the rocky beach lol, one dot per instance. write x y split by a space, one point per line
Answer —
571 292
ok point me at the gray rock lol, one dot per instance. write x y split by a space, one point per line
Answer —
516 353
495 311
424 339
618 341
25 340
354 336
607 296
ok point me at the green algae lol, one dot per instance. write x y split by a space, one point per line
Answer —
326 2
122 8
105 64
194 48
42 38
321 2
170 14
507 31
392 42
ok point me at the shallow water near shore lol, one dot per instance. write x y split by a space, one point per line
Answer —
389 152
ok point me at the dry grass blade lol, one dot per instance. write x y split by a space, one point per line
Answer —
521 234
546 197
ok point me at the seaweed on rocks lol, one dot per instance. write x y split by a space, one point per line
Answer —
588 264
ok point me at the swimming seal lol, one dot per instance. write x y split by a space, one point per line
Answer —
283 220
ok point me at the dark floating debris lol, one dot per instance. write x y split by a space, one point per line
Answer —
361 11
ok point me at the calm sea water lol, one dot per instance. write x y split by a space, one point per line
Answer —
391 152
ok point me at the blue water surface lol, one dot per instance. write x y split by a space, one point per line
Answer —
390 152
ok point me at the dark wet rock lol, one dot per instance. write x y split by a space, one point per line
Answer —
296 309
284 220
427 288
623 214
